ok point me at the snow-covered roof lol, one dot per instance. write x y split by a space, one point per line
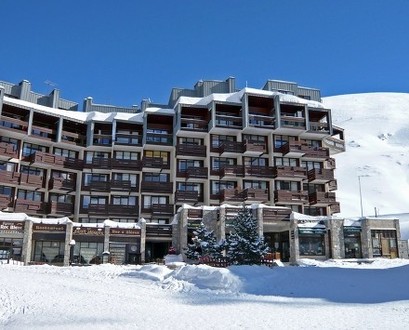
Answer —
160 110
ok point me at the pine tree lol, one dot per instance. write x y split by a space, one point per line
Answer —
204 244
244 245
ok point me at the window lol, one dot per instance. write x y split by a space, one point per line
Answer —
282 161
127 155
184 164
255 161
311 188
280 140
190 141
124 200
92 177
312 242
220 162
187 186
218 186
61 198
65 153
63 175
254 138
148 201
133 178
313 143
31 170
96 154
158 154
30 195
255 184
8 140
309 165
157 135
287 185
94 200
6 166
155 177
217 140
8 191
29 149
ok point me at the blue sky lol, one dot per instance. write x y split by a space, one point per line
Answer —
119 52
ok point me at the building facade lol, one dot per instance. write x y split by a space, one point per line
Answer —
209 146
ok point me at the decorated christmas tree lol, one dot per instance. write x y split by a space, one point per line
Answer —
244 245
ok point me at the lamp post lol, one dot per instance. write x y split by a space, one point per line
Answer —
360 194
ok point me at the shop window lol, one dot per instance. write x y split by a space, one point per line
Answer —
312 244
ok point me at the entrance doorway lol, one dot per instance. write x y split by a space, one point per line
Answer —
279 244
156 250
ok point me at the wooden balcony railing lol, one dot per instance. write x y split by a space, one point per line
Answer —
5 202
254 147
159 187
44 133
332 185
231 147
191 150
13 124
182 196
229 121
32 180
287 196
73 138
335 208
293 122
319 127
45 158
289 172
330 163
262 121
61 208
315 152
10 177
123 185
158 230
248 194
231 170
162 209
112 209
30 207
276 214
195 213
193 124
9 150
128 164
260 171
320 175
160 139
336 145
322 197
98 186
197 173
155 162
62 184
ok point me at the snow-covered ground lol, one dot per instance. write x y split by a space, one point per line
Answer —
317 295
377 148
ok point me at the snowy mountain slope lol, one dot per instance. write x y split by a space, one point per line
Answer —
377 149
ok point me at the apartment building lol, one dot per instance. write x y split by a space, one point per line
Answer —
209 146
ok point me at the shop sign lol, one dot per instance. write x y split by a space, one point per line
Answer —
48 227
12 226
311 230
353 229
124 232
88 231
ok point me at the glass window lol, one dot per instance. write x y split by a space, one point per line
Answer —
287 185
127 155
217 140
220 162
155 177
29 148
184 164
190 141
7 166
255 184
65 153
124 200
218 186
148 201
31 170
255 161
30 195
312 244
283 161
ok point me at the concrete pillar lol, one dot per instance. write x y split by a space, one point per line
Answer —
1 98
54 98
294 242
27 242
25 89
67 245
259 211
30 122
366 239
222 224
336 227
142 224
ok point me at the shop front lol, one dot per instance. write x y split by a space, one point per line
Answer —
87 245
352 242
49 243
312 241
124 246
11 239
384 243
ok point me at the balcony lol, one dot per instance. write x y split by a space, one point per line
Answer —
123 185
73 138
261 121
293 122
334 208
104 186
158 187
248 194
158 230
182 196
159 139
30 207
319 127
112 210
259 171
197 173
59 208
191 150
315 152
232 171
103 139
9 177
45 158
291 197
9 150
229 121
128 139
322 198
293 172
330 163
155 162
127 164
13 124
32 180
5 202
334 144
62 184
321 175
332 185
231 147
193 123
292 149
162 209
271 215
45 133
251 148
